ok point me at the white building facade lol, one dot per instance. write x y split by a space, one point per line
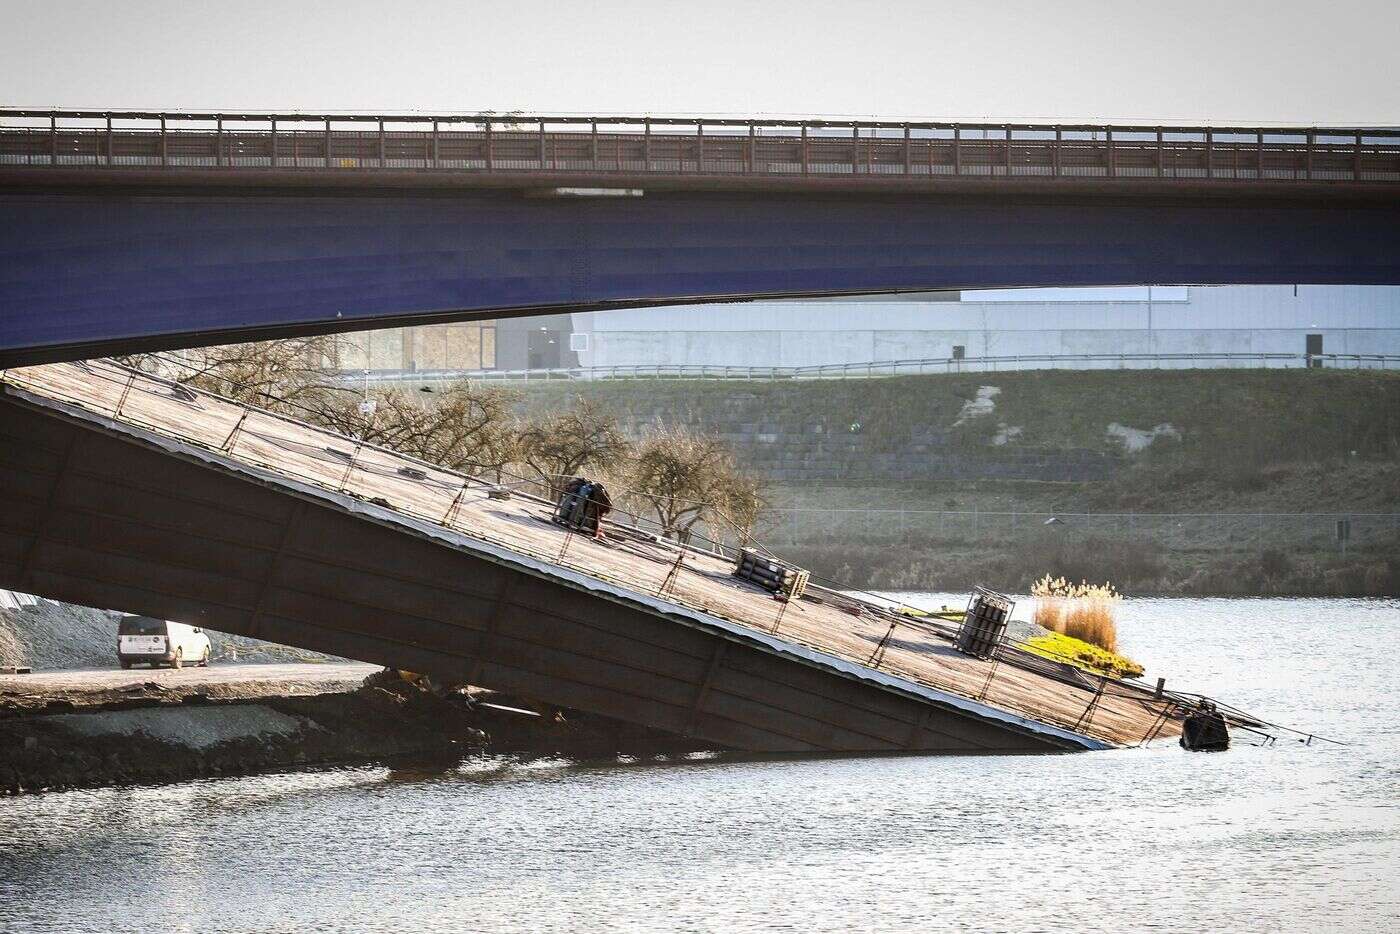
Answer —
1206 321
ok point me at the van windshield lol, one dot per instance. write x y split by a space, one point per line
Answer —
141 626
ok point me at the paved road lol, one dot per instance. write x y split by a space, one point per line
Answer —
98 685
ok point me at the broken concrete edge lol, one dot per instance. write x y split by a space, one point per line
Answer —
516 561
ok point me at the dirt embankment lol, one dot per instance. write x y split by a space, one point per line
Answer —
78 730
114 688
50 635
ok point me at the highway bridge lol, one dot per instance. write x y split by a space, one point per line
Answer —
133 230
118 488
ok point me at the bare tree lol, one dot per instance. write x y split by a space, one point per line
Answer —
465 428
561 445
685 477
280 375
462 427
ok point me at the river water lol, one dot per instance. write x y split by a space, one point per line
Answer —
1290 838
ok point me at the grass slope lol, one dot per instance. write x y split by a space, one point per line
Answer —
1242 441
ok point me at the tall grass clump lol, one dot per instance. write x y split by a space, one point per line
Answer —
1085 611
1050 594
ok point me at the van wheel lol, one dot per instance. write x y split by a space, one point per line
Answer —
179 660
125 664
204 662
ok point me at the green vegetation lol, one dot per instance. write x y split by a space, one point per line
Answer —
1227 417
1245 444
1059 647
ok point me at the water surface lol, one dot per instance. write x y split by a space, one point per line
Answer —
1289 838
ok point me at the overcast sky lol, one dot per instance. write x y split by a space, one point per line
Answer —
1283 61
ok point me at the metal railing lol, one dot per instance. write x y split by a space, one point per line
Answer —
692 145
885 368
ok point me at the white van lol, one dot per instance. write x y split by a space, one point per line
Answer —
145 639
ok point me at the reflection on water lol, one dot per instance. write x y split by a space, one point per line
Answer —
1287 838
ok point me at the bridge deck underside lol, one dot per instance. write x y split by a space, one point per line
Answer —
250 523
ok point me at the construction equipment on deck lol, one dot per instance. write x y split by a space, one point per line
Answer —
983 627
771 574
582 505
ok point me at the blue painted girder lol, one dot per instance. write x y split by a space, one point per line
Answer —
108 270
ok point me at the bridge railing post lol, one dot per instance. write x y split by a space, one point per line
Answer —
53 139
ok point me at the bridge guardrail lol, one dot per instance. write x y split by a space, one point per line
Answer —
885 368
692 145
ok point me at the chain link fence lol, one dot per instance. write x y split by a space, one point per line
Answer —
1312 531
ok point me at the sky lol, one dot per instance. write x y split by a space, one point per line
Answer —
1242 61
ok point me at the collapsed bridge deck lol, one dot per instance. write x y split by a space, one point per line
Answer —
122 489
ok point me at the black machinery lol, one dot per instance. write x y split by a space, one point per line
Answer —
1205 729
582 505
983 628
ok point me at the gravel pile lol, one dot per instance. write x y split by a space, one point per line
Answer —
50 635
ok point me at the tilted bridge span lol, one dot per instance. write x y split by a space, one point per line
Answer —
121 489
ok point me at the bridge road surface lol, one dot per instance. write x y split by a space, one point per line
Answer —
120 489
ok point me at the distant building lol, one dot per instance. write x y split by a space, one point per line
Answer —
936 325
1001 323
507 344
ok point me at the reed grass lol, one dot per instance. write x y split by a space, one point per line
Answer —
1084 611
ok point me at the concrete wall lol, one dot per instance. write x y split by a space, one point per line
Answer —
1240 319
